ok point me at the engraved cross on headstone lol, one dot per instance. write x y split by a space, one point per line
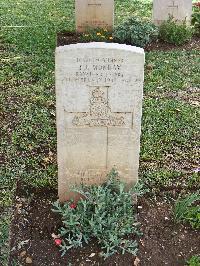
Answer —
173 8
100 114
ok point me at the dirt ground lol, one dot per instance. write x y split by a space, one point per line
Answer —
65 38
163 241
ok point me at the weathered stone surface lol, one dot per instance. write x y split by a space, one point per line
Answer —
99 91
180 9
94 14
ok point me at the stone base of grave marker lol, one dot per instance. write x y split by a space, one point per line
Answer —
99 89
180 10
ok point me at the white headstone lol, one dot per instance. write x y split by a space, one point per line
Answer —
94 14
99 89
180 10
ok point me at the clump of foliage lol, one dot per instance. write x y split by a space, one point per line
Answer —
135 31
105 213
196 18
194 180
97 35
194 261
172 32
188 210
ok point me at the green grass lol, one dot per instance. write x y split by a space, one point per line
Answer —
27 104
129 8
194 261
4 228
187 210
169 126
172 71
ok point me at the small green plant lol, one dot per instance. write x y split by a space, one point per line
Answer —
135 31
4 232
194 180
97 35
105 212
196 18
172 32
194 261
188 210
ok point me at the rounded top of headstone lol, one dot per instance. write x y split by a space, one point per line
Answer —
100 45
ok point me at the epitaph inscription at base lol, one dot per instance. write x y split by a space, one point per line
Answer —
99 91
180 10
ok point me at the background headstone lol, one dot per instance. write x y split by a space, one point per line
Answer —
179 9
94 14
99 89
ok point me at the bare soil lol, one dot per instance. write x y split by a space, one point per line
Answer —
65 38
163 242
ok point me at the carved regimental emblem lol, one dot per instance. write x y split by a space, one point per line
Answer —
100 112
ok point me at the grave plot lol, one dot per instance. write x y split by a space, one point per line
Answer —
163 241
99 90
